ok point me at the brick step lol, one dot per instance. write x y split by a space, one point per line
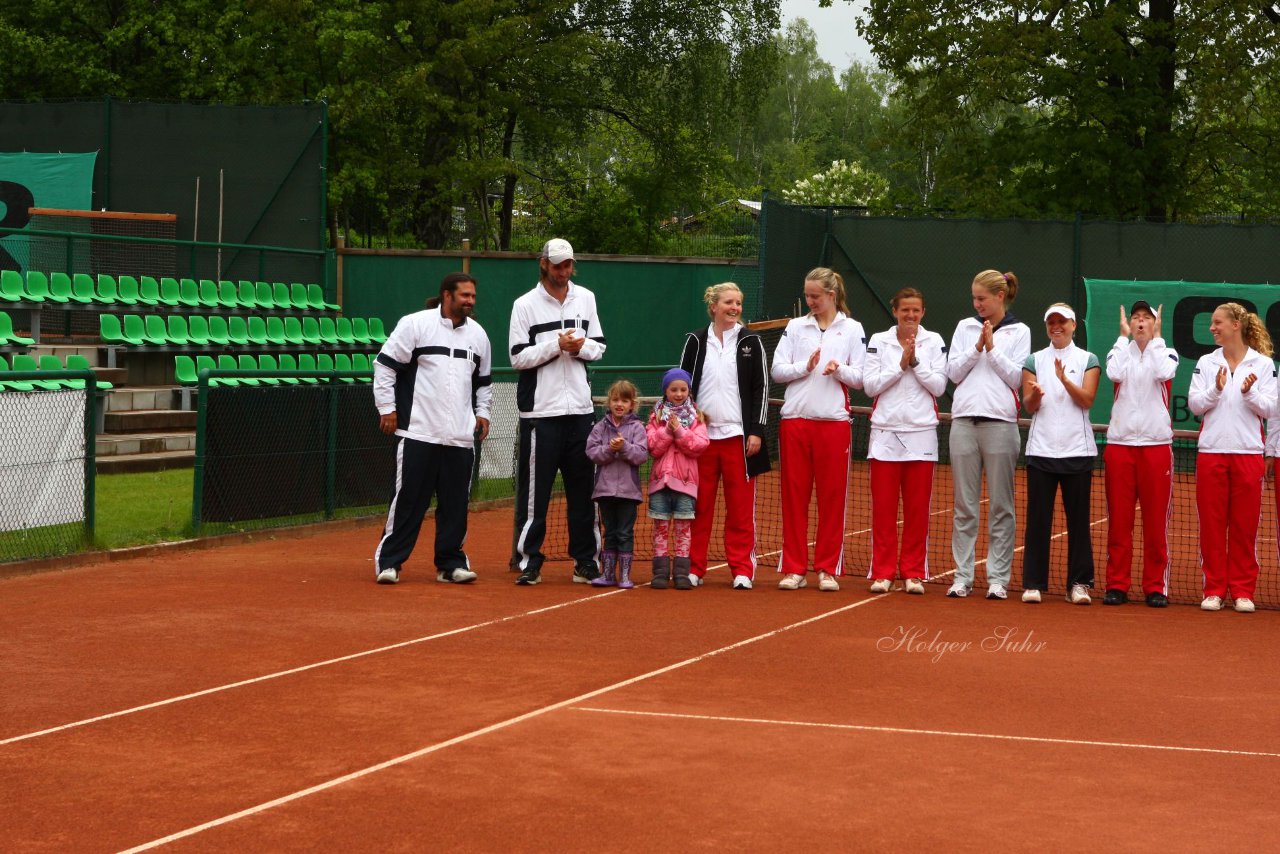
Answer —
139 398
133 463
149 420
124 444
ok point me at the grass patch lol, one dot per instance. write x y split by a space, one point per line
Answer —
142 508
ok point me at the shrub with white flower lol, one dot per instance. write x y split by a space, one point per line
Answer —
845 183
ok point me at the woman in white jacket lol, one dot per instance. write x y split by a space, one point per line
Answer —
1233 389
905 371
985 362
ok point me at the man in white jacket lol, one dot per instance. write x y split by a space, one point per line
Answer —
1138 457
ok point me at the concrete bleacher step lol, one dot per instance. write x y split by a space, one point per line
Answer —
124 444
149 420
136 399
134 463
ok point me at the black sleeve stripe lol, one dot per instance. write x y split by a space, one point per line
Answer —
484 380
387 361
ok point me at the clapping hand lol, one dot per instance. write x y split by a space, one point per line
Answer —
908 353
813 360
1124 324
1248 383
1222 378
616 443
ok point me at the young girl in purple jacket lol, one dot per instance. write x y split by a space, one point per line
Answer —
677 436
618 446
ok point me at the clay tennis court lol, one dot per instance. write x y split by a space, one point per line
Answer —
269 696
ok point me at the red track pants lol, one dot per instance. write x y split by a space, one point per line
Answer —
912 482
725 458
1229 499
813 454
1138 474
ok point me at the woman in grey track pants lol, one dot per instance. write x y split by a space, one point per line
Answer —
985 362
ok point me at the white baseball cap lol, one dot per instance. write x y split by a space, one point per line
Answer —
1064 311
557 251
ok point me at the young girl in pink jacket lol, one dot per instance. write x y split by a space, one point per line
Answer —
677 436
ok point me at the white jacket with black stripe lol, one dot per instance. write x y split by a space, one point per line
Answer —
552 382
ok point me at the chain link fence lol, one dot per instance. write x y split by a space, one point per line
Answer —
46 464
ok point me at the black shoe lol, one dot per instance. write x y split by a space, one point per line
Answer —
683 583
585 574
529 577
1115 597
659 582
1157 600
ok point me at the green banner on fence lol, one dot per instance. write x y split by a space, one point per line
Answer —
1187 309
39 181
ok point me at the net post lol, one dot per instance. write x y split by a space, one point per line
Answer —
197 479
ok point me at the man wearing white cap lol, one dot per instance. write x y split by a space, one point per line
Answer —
555 331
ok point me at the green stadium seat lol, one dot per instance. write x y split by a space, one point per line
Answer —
11 286
228 363
298 296
343 327
8 336
275 331
170 292
307 362
293 330
127 287
248 294
177 330
237 330
53 363
324 362
148 291
58 286
14 385
184 370
135 331
328 333
310 330
227 296
83 290
198 330
377 332
268 362
76 362
208 291
23 362
288 363
248 363
362 362
360 330
218 330
109 330
108 291
315 295
342 362
257 330
266 302
155 331
189 293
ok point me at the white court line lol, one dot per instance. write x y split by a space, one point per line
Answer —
1074 742
409 757
302 669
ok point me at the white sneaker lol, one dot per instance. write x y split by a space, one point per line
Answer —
741 582
460 575
827 582
390 575
958 590
881 585
1032 596
914 585
695 580
1244 606
1211 603
791 581
1079 595
997 591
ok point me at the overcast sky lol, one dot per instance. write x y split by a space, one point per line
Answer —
838 40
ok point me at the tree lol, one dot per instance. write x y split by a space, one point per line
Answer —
1110 107
842 184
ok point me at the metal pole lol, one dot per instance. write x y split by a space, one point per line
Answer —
90 455
195 219
466 255
220 223
331 451
197 480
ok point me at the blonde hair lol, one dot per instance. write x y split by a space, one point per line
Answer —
1252 329
995 282
833 283
624 390
712 295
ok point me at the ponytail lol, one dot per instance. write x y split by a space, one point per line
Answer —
833 283
1005 285
1252 329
